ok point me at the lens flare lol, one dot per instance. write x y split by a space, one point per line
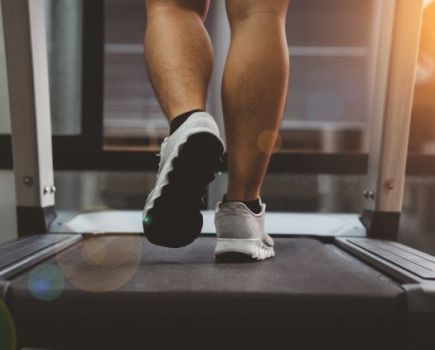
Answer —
94 252
427 2
46 282
101 264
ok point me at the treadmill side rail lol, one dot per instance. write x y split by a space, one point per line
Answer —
412 267
401 262
24 253
420 300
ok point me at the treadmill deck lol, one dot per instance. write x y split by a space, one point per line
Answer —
121 287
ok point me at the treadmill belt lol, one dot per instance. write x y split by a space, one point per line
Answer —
121 287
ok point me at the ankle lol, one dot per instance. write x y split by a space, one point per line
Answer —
180 119
241 197
254 205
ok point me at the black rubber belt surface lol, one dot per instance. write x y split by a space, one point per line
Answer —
312 294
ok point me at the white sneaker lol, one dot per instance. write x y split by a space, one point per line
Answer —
189 159
240 233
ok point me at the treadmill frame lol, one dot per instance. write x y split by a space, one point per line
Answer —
395 71
29 99
393 259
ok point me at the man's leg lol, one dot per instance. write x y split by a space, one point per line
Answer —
178 53
179 58
254 91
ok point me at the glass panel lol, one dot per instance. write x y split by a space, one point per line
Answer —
64 39
102 190
417 224
329 41
5 122
303 193
132 115
327 104
281 192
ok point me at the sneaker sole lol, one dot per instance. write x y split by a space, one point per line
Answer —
175 220
242 250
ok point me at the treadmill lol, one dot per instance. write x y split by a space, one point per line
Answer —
344 285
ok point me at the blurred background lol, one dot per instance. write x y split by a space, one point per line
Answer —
328 110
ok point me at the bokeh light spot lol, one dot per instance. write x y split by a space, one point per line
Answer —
46 282
94 251
7 329
101 264
147 220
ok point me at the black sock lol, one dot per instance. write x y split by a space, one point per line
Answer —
254 206
179 120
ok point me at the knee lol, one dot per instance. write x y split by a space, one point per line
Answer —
240 10
199 7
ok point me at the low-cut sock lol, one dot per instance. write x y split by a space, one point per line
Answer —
179 120
254 206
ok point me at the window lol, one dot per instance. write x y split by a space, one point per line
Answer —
328 102
64 22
